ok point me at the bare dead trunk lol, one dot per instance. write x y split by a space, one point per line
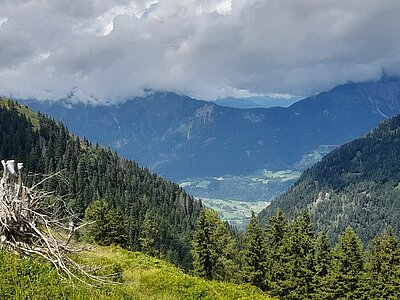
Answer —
27 225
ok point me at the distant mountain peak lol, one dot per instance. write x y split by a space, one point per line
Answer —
386 77
182 137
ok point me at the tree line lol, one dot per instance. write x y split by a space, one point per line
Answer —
289 260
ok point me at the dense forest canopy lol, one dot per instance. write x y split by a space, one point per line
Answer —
290 260
96 173
357 184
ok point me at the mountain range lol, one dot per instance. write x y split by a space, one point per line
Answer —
180 137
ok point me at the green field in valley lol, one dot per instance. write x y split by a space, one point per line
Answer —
234 211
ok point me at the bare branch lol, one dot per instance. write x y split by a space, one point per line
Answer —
32 224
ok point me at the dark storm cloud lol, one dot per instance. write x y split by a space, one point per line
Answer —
112 50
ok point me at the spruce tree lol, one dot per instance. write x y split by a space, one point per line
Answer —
109 227
345 275
149 234
276 231
254 254
383 269
299 260
213 248
322 264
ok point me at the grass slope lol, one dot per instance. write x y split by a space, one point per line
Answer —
23 110
142 277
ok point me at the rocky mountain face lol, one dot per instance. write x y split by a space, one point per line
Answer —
180 137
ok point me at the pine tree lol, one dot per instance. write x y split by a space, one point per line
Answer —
254 254
109 227
383 269
345 275
276 228
322 264
149 234
299 259
213 248
276 231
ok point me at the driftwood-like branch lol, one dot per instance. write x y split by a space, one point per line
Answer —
29 225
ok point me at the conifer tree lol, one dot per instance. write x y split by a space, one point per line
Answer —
383 269
213 248
276 231
322 264
149 234
109 227
299 259
345 275
254 254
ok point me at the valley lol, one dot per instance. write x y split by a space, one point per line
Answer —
235 197
230 153
264 185
236 212
329 188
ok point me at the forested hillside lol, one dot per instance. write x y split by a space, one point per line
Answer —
139 199
358 184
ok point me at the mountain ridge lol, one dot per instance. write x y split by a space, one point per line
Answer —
180 137
355 185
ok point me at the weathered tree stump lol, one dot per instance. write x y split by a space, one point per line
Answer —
28 225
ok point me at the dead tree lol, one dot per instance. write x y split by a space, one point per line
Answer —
28 224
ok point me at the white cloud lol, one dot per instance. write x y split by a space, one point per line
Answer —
3 20
112 50
224 7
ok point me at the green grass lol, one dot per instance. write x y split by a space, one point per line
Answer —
24 110
143 277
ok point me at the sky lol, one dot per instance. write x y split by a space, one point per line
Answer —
113 50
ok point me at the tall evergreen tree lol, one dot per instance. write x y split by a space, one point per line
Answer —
276 231
345 275
149 234
383 269
109 227
213 248
299 259
322 264
254 254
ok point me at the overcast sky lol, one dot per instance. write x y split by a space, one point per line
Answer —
111 50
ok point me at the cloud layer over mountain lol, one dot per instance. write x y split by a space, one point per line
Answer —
111 50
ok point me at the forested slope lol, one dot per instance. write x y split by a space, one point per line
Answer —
93 172
358 184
